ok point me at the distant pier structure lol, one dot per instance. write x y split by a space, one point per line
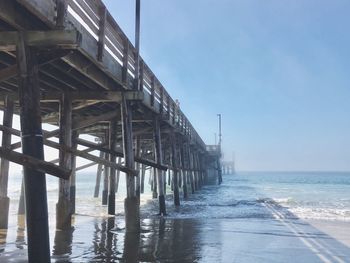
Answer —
68 63
228 167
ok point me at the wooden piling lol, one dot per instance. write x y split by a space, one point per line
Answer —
191 168
98 176
111 187
4 165
105 174
143 173
131 202
72 179
63 207
138 166
159 160
118 176
184 171
154 183
32 145
175 170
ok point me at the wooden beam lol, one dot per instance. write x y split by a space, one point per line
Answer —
84 167
120 154
34 163
44 58
63 39
82 154
86 96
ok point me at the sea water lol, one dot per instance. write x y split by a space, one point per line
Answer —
242 196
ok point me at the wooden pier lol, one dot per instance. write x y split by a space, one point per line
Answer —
69 64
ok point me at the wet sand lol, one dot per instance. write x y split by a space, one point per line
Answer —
193 240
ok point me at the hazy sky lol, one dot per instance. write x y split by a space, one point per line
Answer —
277 70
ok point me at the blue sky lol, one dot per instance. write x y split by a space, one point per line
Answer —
277 71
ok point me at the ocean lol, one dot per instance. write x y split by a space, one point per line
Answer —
267 202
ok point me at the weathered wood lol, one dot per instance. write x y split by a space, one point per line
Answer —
84 166
34 163
138 167
184 172
63 207
175 171
131 204
111 187
85 96
98 177
121 154
191 167
64 39
33 149
159 160
118 176
61 6
101 32
143 173
72 179
4 165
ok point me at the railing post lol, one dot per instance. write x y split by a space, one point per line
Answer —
102 13
152 90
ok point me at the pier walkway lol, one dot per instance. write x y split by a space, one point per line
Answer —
68 63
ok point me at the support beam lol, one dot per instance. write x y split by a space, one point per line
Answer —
131 203
32 145
121 154
63 39
4 165
34 163
159 160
